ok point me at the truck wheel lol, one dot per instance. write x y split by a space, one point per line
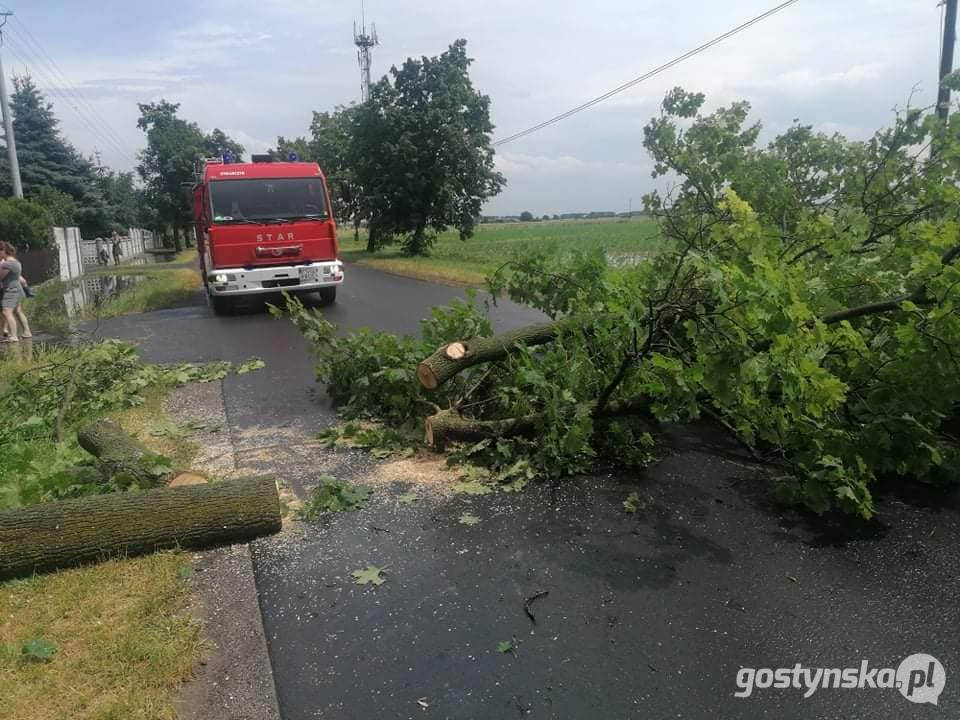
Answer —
221 305
328 295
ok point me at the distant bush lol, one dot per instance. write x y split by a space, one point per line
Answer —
60 206
25 224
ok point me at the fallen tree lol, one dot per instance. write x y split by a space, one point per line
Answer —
446 426
803 296
66 533
457 356
121 458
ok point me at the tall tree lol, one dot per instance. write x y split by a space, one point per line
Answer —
331 141
48 160
218 144
170 160
122 197
330 145
421 152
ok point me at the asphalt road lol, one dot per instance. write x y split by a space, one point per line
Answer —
649 615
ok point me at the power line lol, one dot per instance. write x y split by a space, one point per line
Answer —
98 125
48 70
31 64
24 30
646 76
52 88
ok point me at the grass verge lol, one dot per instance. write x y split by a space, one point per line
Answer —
151 425
119 635
164 285
184 257
159 289
468 262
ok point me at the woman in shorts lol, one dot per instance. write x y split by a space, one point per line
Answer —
12 295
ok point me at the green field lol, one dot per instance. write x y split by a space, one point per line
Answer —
468 262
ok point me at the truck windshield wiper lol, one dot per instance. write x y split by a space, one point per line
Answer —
235 221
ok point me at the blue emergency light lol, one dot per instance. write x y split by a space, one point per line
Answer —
227 158
293 157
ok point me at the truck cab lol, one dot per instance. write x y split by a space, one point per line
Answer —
265 227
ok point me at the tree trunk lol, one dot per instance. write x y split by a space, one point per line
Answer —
120 457
176 239
457 356
448 426
65 533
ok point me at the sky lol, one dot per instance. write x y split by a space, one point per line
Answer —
258 68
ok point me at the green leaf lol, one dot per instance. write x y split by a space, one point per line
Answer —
250 365
185 572
468 519
505 646
632 503
332 495
370 575
471 487
38 650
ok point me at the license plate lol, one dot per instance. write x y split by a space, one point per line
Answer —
309 274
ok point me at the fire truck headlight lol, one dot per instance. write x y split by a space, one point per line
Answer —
220 278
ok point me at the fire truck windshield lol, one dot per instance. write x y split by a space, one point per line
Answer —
268 199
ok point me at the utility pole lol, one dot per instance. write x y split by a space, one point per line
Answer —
8 121
365 41
946 58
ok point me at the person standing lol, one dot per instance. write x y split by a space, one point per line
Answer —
12 295
117 250
103 257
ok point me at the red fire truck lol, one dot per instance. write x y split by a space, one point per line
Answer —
265 227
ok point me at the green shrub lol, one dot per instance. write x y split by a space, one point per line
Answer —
25 224
372 375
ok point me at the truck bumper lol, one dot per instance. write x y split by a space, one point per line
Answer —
276 278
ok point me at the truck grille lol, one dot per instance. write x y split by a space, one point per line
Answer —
281 283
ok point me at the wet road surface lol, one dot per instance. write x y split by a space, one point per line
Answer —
647 615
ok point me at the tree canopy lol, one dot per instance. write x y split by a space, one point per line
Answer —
47 160
421 152
330 145
804 300
170 160
25 224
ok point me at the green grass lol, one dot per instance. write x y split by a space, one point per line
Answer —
39 469
468 262
46 311
121 636
184 257
160 289
165 285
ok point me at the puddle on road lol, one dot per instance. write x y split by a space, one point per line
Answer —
94 290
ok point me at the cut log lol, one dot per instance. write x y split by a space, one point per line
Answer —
121 458
65 533
456 350
457 356
447 426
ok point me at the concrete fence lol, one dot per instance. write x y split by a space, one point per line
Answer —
133 245
70 248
